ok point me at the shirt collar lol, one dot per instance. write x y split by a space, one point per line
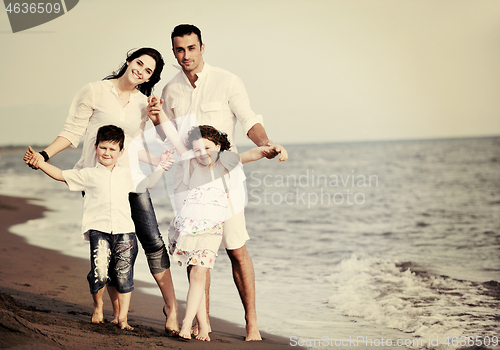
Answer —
204 71
113 89
102 167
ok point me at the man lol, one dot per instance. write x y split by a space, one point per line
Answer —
217 98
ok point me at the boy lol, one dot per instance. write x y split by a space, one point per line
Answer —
107 221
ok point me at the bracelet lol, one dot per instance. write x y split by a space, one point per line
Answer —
45 156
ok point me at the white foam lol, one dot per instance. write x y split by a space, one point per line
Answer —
427 306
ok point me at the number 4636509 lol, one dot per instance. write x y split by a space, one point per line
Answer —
471 341
40 7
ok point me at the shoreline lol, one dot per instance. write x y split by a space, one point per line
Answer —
45 303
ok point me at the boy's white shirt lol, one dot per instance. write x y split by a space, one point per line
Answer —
106 207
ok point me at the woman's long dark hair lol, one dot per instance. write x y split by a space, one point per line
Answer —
147 87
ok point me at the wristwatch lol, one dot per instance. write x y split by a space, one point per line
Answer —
45 156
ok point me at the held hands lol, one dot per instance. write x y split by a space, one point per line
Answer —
154 108
33 159
272 151
167 160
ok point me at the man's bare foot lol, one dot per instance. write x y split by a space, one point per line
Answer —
171 323
253 333
124 325
97 315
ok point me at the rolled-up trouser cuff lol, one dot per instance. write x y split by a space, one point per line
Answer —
147 232
158 261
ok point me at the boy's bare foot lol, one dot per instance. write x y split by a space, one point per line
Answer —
124 325
171 324
97 315
253 333
115 320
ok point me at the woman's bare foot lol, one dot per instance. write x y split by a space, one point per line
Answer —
171 324
123 324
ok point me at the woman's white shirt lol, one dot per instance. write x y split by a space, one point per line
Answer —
95 105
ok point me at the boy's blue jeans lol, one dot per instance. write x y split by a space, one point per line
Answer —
146 229
112 259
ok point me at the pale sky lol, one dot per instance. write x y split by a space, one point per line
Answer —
318 71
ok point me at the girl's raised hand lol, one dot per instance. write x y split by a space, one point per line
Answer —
271 151
167 159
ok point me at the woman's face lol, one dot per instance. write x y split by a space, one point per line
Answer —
204 149
140 69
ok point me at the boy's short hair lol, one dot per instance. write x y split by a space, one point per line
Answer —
185 29
110 133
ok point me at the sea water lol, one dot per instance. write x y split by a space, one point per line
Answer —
353 244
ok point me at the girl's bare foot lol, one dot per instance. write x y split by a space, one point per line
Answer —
185 332
194 329
203 330
203 336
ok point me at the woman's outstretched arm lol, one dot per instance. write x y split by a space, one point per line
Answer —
33 160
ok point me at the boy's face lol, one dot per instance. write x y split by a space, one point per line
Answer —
108 153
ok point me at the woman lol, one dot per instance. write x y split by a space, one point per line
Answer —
121 99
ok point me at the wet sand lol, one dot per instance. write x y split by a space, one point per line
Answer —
45 303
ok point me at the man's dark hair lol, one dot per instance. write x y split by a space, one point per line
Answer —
185 29
110 133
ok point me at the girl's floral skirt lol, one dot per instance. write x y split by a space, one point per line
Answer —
198 248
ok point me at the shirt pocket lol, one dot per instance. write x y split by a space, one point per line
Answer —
211 109
211 106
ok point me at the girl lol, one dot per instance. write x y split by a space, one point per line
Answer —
211 190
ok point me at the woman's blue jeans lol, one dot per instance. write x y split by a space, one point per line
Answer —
147 232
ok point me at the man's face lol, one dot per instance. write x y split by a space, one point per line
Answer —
188 53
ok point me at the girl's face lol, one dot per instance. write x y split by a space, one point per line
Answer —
204 149
140 69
